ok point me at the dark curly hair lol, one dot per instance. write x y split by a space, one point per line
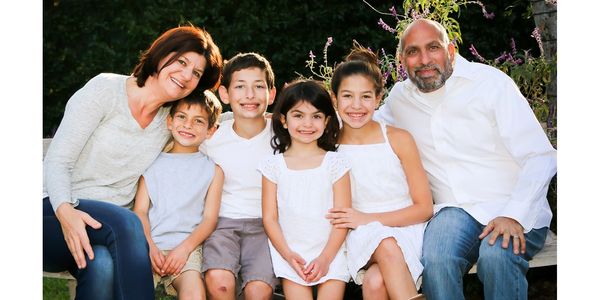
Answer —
315 94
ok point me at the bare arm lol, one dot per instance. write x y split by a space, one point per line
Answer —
141 207
177 258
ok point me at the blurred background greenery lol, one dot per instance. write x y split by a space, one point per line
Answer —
84 38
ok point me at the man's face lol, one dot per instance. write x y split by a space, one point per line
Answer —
427 60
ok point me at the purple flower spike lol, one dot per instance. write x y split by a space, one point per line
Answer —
329 41
311 55
402 72
476 54
513 46
538 37
393 11
385 26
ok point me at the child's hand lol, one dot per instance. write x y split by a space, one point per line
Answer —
347 217
157 258
297 263
175 260
316 269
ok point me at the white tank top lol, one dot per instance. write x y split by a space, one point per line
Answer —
378 180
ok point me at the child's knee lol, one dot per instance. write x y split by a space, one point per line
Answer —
388 249
257 290
219 281
373 282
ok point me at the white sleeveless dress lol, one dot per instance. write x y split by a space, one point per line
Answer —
304 197
379 185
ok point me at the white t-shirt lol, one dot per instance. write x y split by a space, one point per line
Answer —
239 157
480 143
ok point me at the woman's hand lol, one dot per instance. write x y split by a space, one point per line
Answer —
347 217
73 223
316 269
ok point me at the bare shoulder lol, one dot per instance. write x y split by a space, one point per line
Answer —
401 141
398 134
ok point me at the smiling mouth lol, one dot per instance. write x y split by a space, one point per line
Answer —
427 72
177 82
356 115
249 106
306 132
185 134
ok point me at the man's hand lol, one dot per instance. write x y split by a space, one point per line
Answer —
508 228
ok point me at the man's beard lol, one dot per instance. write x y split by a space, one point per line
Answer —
429 85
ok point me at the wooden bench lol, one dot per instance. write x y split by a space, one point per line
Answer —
546 257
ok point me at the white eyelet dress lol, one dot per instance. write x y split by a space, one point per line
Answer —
303 199
379 185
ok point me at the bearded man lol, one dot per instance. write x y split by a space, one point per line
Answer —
488 161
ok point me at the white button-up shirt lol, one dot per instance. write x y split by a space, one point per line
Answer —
481 145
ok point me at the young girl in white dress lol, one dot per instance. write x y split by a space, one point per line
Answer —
300 184
391 199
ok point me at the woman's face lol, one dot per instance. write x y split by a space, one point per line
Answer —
181 77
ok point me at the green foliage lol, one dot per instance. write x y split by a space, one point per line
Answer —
84 38
438 10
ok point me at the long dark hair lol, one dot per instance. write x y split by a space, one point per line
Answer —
315 94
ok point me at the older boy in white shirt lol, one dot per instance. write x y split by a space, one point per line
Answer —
238 248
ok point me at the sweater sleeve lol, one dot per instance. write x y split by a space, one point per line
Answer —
83 113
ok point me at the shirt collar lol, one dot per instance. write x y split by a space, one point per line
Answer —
463 68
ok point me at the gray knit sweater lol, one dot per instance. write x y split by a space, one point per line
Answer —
99 151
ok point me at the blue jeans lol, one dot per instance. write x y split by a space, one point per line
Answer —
451 246
121 267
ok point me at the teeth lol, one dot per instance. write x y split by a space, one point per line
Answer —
177 82
185 134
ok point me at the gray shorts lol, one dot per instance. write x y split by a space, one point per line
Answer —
241 247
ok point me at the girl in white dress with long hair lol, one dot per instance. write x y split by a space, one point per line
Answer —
391 199
300 184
